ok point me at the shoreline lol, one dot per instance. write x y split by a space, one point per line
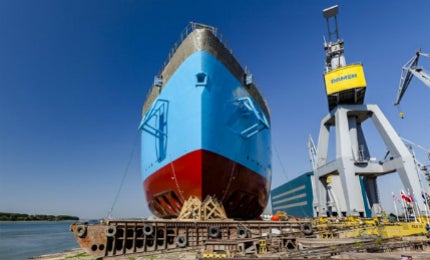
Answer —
79 254
75 253
18 221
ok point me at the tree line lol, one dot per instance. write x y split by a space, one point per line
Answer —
4 216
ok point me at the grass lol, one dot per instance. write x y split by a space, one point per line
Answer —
77 256
379 241
358 244
149 257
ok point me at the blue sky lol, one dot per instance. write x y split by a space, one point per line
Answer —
74 76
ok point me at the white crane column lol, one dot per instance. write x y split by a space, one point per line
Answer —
345 125
353 162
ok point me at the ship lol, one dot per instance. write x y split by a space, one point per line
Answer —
205 130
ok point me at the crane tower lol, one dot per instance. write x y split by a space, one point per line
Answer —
345 84
347 186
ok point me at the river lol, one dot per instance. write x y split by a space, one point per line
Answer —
21 240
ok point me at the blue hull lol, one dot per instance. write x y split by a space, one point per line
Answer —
203 106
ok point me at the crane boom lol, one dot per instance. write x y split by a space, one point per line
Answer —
417 145
312 153
409 70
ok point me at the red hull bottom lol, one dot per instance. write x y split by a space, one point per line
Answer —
201 173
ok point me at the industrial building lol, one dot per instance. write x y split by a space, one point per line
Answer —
294 197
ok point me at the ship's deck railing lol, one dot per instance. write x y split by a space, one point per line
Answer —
187 30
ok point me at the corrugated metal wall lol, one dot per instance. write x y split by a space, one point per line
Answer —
294 197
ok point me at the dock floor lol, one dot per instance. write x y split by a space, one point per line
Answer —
424 253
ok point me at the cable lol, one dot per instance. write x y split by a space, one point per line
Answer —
109 216
401 114
280 162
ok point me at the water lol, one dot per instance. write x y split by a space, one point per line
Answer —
21 240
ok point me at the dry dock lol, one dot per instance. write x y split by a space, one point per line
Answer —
309 248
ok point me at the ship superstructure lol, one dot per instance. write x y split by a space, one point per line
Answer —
205 131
